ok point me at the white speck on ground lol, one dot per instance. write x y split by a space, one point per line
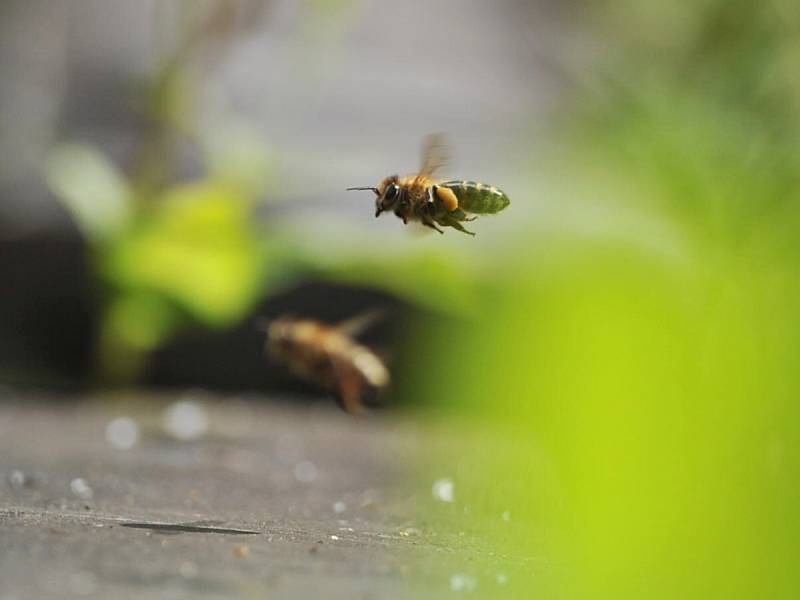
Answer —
122 433
81 488
17 479
444 490
186 420
461 582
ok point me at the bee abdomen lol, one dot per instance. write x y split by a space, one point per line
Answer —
478 198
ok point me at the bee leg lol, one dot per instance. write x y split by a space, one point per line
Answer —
432 225
461 215
451 222
351 392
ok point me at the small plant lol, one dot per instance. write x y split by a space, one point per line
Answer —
167 253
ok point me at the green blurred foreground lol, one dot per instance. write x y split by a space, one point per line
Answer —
637 416
625 407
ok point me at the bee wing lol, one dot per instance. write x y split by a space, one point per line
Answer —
435 154
353 326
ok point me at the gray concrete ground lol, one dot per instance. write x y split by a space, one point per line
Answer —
225 498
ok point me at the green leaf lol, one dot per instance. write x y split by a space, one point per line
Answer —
198 249
91 188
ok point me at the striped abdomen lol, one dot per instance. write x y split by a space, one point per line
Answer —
477 198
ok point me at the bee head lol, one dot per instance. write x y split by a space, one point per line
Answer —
386 194
280 335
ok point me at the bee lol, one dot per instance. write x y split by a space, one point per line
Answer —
329 356
421 198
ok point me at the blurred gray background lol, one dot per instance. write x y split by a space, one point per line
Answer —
343 91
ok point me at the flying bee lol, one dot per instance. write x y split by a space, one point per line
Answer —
329 356
421 198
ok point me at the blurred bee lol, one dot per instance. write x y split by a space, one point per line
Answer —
328 356
421 198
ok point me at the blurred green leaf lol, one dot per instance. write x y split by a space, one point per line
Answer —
197 248
91 188
640 415
141 321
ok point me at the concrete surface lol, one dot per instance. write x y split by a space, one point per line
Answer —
271 500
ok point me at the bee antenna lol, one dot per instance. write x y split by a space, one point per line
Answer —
359 189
